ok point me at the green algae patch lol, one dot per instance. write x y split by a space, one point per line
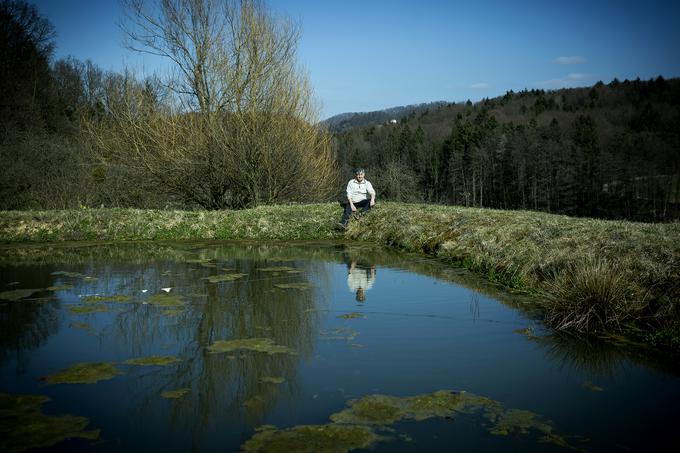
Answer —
87 309
518 421
527 332
266 345
172 312
329 438
372 410
277 269
73 275
384 410
175 394
17 294
112 298
68 274
300 286
154 360
592 387
198 260
16 405
224 277
165 300
339 333
352 315
84 373
272 380
80 326
60 288
23 426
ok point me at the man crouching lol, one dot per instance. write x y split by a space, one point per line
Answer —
360 194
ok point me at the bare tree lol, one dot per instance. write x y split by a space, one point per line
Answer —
234 124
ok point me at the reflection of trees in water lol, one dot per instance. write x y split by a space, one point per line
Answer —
223 387
26 325
250 307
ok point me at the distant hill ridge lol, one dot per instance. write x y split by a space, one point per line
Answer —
608 150
350 120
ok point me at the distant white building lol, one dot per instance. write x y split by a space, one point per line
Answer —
393 121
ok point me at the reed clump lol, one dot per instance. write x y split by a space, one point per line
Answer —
593 295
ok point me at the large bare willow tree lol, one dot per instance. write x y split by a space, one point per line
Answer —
233 124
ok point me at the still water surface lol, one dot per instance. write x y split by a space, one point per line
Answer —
325 324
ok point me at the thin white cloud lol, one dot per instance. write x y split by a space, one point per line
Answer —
479 85
570 60
579 76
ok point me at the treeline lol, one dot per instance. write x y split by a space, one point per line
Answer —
610 151
234 133
231 126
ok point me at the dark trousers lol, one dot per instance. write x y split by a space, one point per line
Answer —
364 205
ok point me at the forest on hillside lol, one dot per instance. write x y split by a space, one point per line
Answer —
609 151
73 135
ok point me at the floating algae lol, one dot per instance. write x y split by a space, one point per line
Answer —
339 333
60 288
84 373
379 412
254 403
80 325
277 269
300 285
17 294
317 438
172 312
224 277
527 332
252 344
112 298
272 380
165 300
372 410
73 275
591 386
197 260
352 315
87 309
175 394
68 274
153 360
25 427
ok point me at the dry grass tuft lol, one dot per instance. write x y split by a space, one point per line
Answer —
592 295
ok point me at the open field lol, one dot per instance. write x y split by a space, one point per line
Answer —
591 275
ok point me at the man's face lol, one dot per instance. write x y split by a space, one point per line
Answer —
360 176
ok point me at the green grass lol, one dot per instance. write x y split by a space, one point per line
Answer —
592 275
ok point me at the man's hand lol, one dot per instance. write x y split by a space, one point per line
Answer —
372 202
354 208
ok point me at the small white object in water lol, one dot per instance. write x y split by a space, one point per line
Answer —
145 303
167 290
144 290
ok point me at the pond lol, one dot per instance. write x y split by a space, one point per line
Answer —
211 346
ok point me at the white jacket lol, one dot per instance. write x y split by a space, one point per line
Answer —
359 191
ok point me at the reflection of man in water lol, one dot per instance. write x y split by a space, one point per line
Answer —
360 279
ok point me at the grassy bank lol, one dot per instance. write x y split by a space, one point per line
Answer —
593 275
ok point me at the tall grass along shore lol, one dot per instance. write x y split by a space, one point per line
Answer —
592 276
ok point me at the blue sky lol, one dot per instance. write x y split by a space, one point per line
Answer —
369 55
